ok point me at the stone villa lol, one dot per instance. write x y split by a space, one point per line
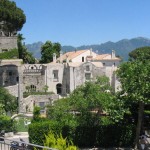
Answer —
62 76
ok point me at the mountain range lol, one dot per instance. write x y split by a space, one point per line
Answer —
122 47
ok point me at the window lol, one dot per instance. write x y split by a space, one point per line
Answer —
4 50
87 76
10 73
82 59
103 64
42 106
87 68
33 88
55 74
17 79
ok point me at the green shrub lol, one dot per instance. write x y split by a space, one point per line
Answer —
12 54
58 142
38 130
114 135
6 124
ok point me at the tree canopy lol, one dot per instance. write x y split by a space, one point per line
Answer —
47 51
86 103
135 81
12 18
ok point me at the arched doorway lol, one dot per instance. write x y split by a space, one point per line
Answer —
59 88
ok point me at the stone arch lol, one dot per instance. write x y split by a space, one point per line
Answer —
59 88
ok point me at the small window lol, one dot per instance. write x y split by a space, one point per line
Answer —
103 64
10 73
4 50
17 79
87 68
55 74
88 76
82 59
114 64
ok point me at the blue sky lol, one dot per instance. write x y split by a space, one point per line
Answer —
84 22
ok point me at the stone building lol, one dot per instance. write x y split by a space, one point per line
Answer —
61 76
7 43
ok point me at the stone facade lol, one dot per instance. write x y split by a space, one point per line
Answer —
60 78
38 100
7 43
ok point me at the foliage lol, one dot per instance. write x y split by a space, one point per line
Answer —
6 124
136 54
58 142
26 94
134 76
92 97
36 113
45 88
11 54
38 130
23 52
86 104
12 17
8 101
111 135
2 111
135 82
47 51
20 126
60 110
115 135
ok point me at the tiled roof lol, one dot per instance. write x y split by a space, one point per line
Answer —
105 57
71 55
100 57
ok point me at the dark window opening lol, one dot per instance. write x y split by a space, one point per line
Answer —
59 88
82 59
17 79
33 88
10 73
103 64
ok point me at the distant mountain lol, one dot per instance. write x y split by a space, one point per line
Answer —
122 47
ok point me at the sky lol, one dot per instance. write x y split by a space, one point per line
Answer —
84 22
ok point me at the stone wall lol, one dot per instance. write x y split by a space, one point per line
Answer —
35 100
7 43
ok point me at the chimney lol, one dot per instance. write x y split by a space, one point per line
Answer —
60 56
113 54
90 51
54 57
67 60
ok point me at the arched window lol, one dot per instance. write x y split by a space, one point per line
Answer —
33 88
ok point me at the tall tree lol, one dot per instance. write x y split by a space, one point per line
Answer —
12 18
135 81
47 51
23 52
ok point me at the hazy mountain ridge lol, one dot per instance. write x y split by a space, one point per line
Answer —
122 47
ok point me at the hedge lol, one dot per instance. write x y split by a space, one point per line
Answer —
37 131
6 124
115 135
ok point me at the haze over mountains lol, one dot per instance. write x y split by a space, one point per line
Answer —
122 47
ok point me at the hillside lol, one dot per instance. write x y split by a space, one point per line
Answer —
122 47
